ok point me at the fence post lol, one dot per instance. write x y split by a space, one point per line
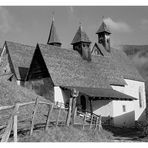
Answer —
58 115
100 124
84 120
91 121
69 113
73 110
48 117
33 117
7 132
75 114
15 121
96 123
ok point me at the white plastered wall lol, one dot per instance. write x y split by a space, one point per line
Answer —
60 96
133 110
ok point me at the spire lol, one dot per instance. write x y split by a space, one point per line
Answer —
80 36
53 37
103 27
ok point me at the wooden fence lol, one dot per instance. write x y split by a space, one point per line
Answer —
12 125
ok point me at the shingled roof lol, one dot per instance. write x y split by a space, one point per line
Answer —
53 37
103 28
67 68
21 56
80 36
125 65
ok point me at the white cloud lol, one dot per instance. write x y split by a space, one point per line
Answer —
117 26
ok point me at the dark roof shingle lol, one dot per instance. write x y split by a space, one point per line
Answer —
103 28
53 37
125 65
80 36
67 68
21 56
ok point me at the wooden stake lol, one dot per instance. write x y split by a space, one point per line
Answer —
33 117
69 113
12 122
58 115
96 123
73 110
100 124
84 121
7 132
75 114
91 121
49 115
15 122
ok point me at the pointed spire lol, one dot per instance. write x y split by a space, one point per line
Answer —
80 36
53 37
103 27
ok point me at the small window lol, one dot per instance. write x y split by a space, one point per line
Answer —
140 97
124 108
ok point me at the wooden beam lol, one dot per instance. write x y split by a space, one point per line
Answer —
58 115
49 115
15 122
33 117
69 113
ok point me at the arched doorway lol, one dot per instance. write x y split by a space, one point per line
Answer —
83 103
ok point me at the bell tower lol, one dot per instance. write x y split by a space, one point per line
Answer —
104 36
81 43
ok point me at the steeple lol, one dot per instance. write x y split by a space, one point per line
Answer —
53 37
104 35
81 43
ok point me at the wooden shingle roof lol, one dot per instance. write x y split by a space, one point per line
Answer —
21 56
67 68
125 65
53 37
103 28
80 36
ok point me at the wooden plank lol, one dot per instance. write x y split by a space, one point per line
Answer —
96 123
33 117
6 107
73 110
7 132
84 121
69 113
75 114
15 122
49 115
8 129
91 121
100 123
58 115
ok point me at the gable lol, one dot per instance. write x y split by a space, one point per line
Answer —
6 66
96 51
20 56
38 69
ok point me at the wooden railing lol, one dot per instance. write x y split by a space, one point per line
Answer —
12 125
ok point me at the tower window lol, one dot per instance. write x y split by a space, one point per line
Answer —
124 108
140 97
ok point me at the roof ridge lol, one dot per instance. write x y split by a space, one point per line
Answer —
19 43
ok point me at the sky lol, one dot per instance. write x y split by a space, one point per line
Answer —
31 24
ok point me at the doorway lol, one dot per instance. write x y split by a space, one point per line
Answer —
83 103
